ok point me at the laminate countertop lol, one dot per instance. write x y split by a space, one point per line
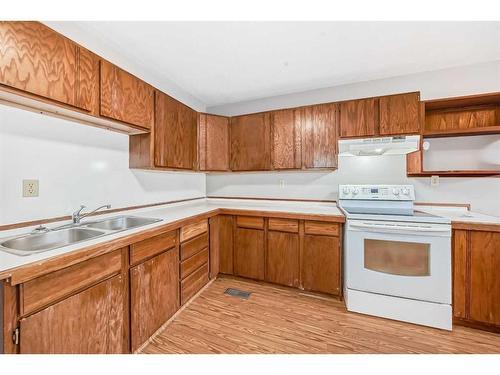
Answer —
169 214
461 215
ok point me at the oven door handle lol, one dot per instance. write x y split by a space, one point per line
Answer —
399 228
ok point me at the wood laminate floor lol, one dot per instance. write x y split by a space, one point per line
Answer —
282 320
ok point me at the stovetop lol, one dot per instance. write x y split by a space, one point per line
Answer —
417 217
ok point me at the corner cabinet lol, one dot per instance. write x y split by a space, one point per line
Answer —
213 142
125 98
175 134
251 142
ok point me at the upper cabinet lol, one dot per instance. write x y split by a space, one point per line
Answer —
400 114
39 61
213 142
382 116
175 134
319 136
126 98
250 142
286 137
359 118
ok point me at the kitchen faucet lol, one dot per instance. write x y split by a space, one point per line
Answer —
77 216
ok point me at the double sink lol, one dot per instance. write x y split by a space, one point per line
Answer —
71 234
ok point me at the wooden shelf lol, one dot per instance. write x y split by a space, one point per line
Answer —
463 132
469 173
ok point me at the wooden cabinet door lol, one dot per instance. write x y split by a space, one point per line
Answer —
36 59
125 97
91 321
175 133
484 277
251 142
249 253
154 295
286 139
359 118
399 114
321 264
213 142
226 244
282 264
87 87
319 140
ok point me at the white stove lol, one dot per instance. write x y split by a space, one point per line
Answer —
397 259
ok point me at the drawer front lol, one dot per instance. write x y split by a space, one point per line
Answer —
284 225
193 283
152 246
46 289
193 230
250 222
193 246
192 264
322 228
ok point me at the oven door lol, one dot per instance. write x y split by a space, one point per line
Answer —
410 260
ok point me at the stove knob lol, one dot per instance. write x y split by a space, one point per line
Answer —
395 191
345 190
355 191
406 191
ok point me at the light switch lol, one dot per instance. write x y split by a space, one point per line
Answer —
30 188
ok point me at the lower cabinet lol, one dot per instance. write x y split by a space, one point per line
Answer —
91 321
154 295
249 253
476 285
321 264
283 246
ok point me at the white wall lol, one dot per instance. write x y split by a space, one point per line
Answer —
482 193
76 164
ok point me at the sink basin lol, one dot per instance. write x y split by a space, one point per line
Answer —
49 240
122 223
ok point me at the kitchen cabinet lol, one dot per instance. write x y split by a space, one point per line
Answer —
359 118
249 250
319 136
400 114
124 97
175 134
213 142
251 142
321 260
154 295
282 261
226 244
194 258
91 321
476 286
37 60
286 132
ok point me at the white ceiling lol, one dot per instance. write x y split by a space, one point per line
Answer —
226 62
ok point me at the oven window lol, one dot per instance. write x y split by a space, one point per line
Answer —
397 258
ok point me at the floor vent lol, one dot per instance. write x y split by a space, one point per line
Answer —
237 293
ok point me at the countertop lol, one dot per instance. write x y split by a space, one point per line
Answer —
169 213
459 215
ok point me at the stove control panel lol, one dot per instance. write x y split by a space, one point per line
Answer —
377 192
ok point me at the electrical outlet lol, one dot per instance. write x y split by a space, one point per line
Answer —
434 180
30 188
282 184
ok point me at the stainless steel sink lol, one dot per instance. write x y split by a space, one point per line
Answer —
69 234
33 243
122 223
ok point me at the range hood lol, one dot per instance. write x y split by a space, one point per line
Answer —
379 146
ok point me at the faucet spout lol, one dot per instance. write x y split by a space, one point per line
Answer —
77 215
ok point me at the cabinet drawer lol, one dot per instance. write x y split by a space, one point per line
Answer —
193 230
194 245
192 264
284 225
321 228
49 288
193 283
152 246
250 222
